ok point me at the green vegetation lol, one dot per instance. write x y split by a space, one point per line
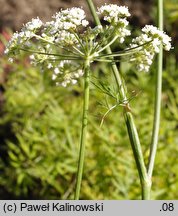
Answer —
40 127
39 131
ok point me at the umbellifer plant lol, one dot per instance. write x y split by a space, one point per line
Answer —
68 46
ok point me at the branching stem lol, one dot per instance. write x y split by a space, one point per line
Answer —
131 128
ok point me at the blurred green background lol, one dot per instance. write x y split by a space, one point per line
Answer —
40 128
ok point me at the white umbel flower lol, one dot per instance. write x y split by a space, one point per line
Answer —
151 34
67 72
113 12
117 17
22 37
63 44
154 32
70 19
34 24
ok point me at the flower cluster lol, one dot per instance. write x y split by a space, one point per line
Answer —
64 26
65 43
66 72
57 44
112 13
70 19
152 37
22 38
117 17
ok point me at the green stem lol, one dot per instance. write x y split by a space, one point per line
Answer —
132 131
136 147
111 42
146 190
93 12
108 51
83 130
158 90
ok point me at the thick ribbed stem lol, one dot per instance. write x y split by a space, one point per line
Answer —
158 90
136 147
83 130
